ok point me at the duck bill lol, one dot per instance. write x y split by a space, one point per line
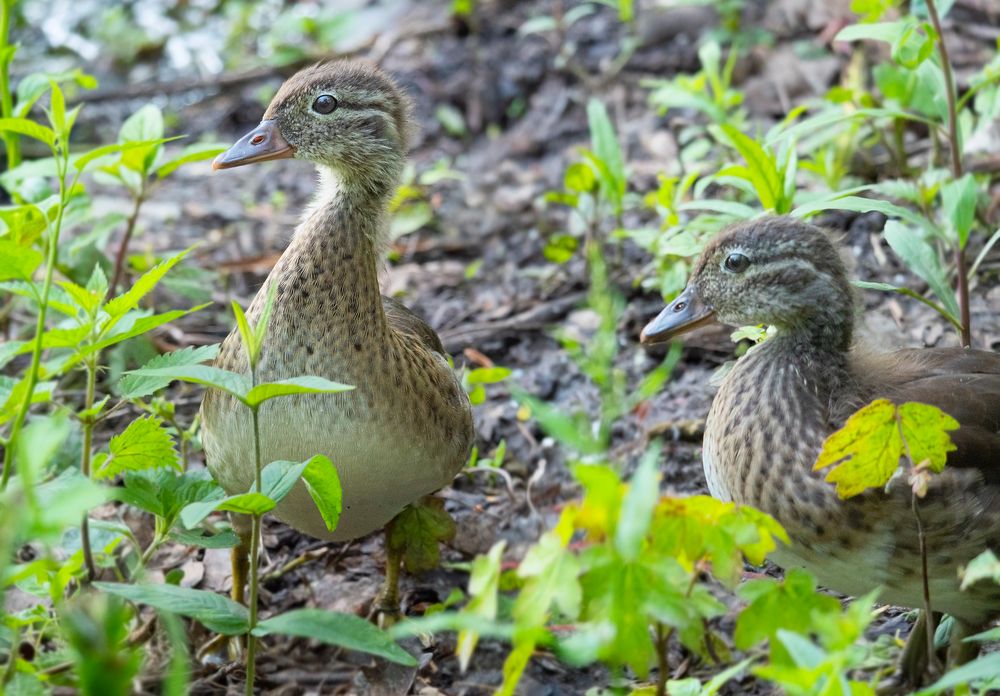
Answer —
684 314
263 143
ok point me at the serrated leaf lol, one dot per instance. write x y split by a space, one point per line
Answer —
294 385
232 383
117 307
335 628
134 385
789 605
323 483
551 572
18 262
418 530
217 612
866 451
144 444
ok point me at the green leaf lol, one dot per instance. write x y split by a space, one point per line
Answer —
250 346
135 385
637 506
487 375
57 111
144 444
18 262
278 478
579 178
144 124
889 32
246 504
418 530
294 385
559 248
135 324
865 452
222 540
334 628
551 573
143 285
323 483
985 667
230 382
761 168
921 258
192 153
216 612
787 605
484 583
958 203
29 128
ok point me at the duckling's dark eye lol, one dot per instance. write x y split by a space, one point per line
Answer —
736 263
324 104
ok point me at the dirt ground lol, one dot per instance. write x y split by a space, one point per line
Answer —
526 118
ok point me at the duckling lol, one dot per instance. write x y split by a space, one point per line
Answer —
778 404
406 429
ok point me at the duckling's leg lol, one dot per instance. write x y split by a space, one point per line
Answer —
387 601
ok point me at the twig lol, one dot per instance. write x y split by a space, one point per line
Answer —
123 246
962 282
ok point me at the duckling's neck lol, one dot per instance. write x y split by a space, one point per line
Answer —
335 253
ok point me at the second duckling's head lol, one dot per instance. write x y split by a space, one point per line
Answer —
349 117
772 270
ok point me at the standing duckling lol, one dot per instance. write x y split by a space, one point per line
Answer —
779 403
406 429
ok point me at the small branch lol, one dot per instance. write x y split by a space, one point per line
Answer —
123 246
662 666
962 285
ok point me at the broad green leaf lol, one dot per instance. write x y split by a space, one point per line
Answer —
29 128
487 375
484 582
889 32
786 605
246 504
144 444
866 451
418 530
18 262
232 383
958 203
278 478
250 346
637 506
294 385
82 161
551 573
37 444
579 178
217 612
144 124
921 258
323 483
222 540
135 385
145 283
762 170
165 494
334 628
192 153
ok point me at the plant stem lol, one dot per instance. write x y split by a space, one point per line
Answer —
926 583
254 553
661 660
11 140
123 246
962 284
62 163
85 454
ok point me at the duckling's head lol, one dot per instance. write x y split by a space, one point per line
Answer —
774 270
348 117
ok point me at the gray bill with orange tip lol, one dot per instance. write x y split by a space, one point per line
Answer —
263 143
685 313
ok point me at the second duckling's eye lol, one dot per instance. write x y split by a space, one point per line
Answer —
736 263
324 104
